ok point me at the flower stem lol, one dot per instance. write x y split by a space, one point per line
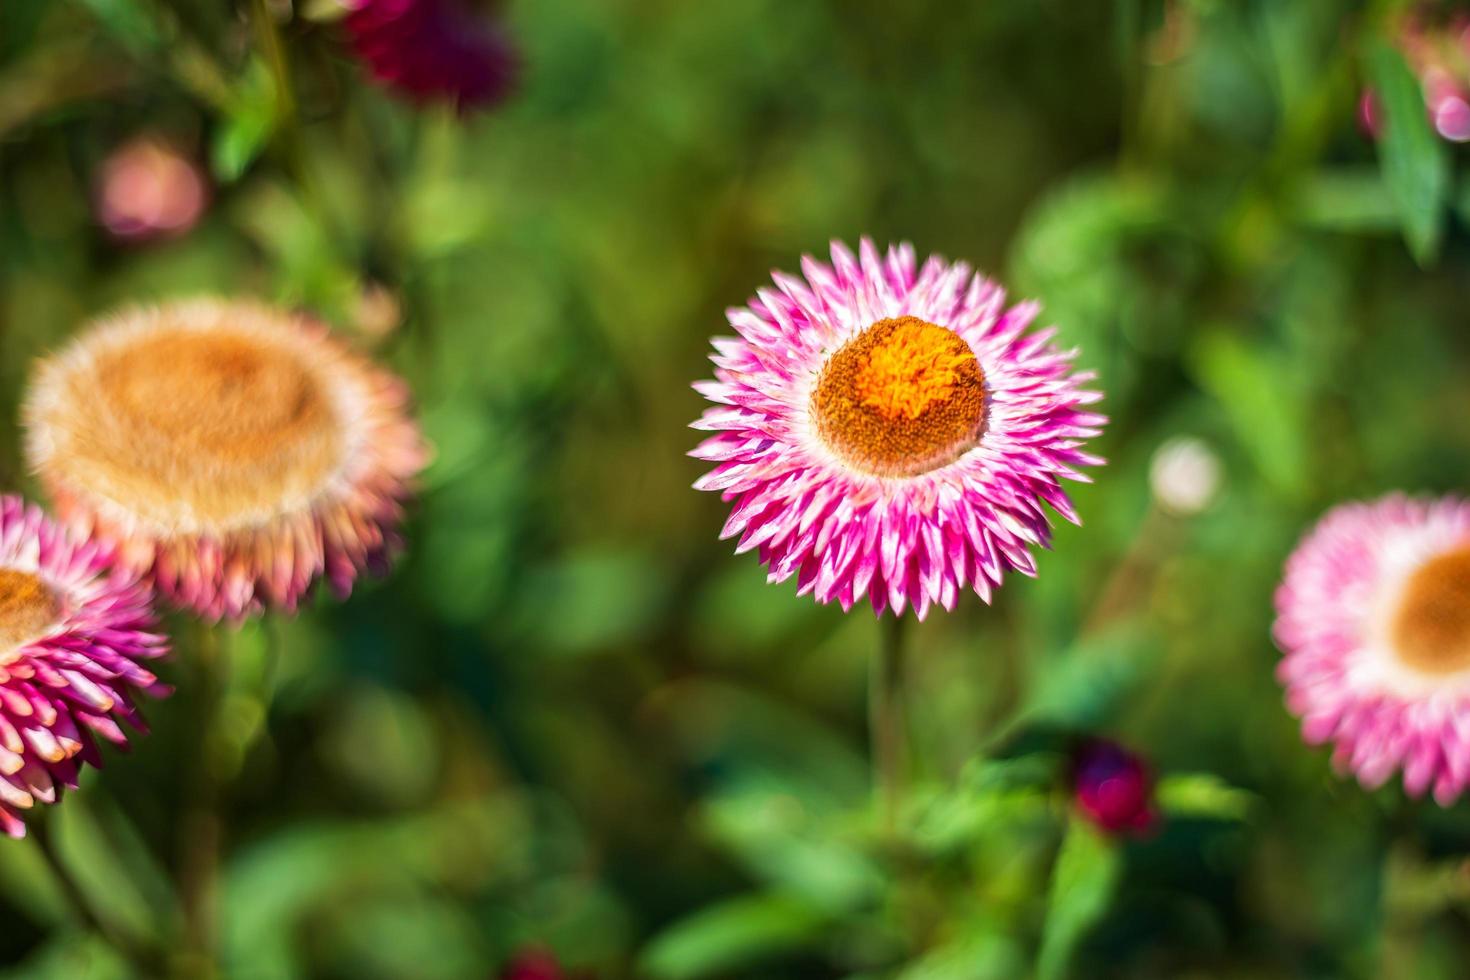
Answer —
201 827
887 729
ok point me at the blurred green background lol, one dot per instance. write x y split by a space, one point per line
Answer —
571 720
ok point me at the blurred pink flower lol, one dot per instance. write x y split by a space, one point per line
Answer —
1439 54
236 453
892 432
1113 788
434 50
75 630
1373 617
148 190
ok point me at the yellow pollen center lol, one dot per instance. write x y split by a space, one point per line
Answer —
1431 629
212 428
27 608
901 398
914 366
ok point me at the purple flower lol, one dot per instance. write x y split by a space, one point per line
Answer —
1113 788
433 50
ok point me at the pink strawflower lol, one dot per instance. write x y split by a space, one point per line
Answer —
892 432
1113 788
1374 619
74 631
433 50
236 453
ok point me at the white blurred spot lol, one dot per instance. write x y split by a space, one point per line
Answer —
1184 475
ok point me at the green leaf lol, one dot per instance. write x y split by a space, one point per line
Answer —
783 832
123 887
986 956
1082 883
1202 794
1346 199
1081 688
733 935
594 599
1251 383
248 125
72 956
1415 161
993 799
135 25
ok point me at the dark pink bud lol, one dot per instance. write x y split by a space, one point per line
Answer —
433 50
1113 788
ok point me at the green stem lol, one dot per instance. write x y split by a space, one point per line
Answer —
202 827
887 727
292 143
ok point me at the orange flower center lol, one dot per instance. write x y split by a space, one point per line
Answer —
28 608
903 397
219 427
1431 629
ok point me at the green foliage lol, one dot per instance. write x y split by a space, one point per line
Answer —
1082 884
252 119
571 719
732 935
1415 161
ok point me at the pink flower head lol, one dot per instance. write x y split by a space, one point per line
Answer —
236 453
892 432
148 190
1113 788
1373 618
74 631
433 50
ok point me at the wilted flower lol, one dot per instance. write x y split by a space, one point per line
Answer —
148 190
1184 476
1113 787
433 50
892 432
74 631
237 453
1374 619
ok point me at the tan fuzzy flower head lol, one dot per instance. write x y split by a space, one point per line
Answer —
235 452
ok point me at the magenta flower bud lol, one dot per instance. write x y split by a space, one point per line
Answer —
433 50
1113 788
